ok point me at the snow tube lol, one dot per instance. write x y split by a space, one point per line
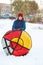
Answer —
17 43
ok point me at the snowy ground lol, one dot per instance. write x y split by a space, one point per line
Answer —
35 57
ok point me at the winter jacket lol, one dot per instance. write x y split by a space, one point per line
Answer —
19 25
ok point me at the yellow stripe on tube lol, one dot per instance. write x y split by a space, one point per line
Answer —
26 39
14 40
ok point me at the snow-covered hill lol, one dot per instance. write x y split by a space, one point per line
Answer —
35 57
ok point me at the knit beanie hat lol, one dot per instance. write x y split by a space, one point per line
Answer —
20 14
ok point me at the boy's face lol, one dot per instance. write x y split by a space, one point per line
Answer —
20 18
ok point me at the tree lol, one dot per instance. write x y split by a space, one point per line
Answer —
16 6
25 7
33 6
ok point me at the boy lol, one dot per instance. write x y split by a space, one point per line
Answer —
19 24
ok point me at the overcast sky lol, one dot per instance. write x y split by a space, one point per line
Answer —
40 2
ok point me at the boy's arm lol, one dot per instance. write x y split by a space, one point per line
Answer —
13 26
23 26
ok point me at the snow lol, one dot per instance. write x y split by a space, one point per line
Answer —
35 57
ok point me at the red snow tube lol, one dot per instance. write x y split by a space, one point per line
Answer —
17 43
